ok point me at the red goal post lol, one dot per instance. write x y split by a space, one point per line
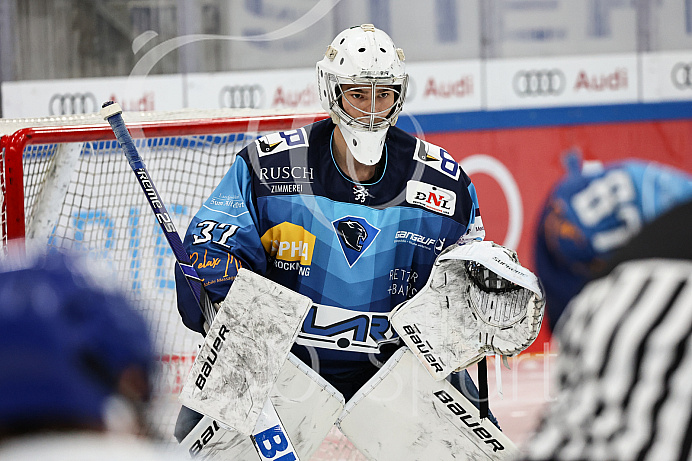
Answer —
66 183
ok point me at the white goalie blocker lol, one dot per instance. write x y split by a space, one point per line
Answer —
478 301
403 413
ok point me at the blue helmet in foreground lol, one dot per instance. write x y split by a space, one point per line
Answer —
65 341
593 211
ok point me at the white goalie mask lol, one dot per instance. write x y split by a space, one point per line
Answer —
363 60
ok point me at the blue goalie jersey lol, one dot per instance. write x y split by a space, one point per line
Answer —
286 211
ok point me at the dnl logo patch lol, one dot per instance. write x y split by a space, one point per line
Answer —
431 197
355 236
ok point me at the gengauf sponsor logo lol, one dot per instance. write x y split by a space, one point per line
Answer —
430 243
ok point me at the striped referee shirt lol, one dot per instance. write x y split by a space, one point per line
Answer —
624 371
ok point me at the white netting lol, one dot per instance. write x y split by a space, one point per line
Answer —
104 212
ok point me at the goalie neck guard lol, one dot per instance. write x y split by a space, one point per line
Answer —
65 340
362 60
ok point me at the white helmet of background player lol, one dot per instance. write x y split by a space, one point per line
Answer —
366 57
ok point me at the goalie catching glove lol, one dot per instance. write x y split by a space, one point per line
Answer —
478 301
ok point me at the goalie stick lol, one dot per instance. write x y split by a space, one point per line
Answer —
111 112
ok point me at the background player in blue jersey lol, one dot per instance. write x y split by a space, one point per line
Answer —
349 211
77 364
593 211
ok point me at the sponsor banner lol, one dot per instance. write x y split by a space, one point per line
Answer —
43 98
429 243
564 81
285 89
435 87
667 76
449 86
289 242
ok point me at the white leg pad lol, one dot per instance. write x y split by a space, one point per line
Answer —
245 348
403 413
307 405
208 440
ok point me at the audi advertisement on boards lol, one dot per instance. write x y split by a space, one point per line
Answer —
550 82
435 87
242 96
72 103
43 98
681 75
286 89
669 76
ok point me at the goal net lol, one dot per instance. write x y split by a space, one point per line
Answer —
66 183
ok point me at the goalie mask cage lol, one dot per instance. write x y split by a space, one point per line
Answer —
66 183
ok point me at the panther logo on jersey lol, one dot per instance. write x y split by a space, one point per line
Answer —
352 233
355 236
